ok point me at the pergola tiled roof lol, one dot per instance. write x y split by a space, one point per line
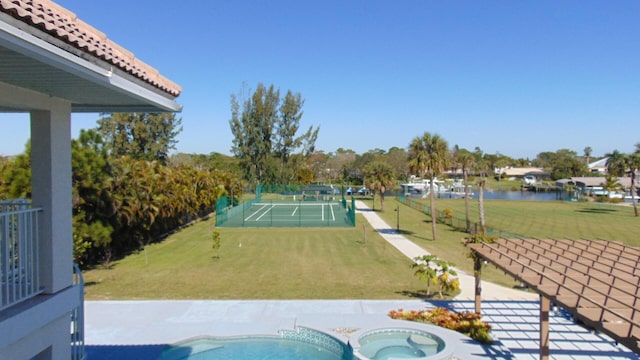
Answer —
64 25
597 282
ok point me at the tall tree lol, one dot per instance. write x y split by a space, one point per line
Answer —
16 176
380 177
92 202
142 136
317 163
339 163
430 154
465 160
587 154
361 162
397 157
286 138
481 168
252 125
565 164
5 163
633 164
265 128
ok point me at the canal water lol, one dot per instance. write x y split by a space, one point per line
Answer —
524 195
511 195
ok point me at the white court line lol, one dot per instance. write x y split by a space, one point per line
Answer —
333 215
295 210
265 213
257 211
322 212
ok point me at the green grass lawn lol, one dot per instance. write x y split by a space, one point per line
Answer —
555 219
264 263
541 219
336 263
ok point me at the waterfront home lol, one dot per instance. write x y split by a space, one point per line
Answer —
51 65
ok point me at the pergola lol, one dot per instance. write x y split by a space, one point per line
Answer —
596 281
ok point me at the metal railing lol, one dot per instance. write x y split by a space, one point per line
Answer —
455 222
19 241
77 319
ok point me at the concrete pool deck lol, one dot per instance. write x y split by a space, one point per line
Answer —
142 329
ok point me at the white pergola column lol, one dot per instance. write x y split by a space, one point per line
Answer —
51 191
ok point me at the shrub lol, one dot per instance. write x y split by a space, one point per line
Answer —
435 271
215 237
467 322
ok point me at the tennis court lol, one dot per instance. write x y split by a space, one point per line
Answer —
290 214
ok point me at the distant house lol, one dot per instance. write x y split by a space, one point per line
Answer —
516 173
598 166
592 185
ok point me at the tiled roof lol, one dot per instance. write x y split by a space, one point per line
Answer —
64 25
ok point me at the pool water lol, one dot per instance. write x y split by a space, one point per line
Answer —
250 348
399 344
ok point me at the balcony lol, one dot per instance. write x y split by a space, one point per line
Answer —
19 270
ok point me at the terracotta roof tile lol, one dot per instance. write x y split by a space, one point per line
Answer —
63 24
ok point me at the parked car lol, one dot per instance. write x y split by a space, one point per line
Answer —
364 191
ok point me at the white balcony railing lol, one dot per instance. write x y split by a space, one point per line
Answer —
77 319
19 277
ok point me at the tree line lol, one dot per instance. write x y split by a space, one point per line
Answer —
127 191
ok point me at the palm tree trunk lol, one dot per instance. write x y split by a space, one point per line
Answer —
466 198
432 205
373 202
633 192
481 207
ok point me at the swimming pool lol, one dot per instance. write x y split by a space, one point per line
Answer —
302 344
398 343
415 341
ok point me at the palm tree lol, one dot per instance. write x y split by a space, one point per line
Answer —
435 271
426 270
417 161
615 163
610 184
466 161
633 164
429 154
380 176
587 154
481 167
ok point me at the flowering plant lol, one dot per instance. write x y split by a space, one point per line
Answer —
467 322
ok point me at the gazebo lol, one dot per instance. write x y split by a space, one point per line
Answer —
53 64
596 281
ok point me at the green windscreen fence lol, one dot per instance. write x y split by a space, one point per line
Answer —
302 209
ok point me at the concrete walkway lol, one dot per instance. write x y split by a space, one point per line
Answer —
490 291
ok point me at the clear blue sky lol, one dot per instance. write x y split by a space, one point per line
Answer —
514 77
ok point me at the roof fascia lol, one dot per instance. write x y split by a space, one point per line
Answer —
25 43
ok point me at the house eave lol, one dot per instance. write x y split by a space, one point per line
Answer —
123 92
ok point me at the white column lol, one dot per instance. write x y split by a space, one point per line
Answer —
51 190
